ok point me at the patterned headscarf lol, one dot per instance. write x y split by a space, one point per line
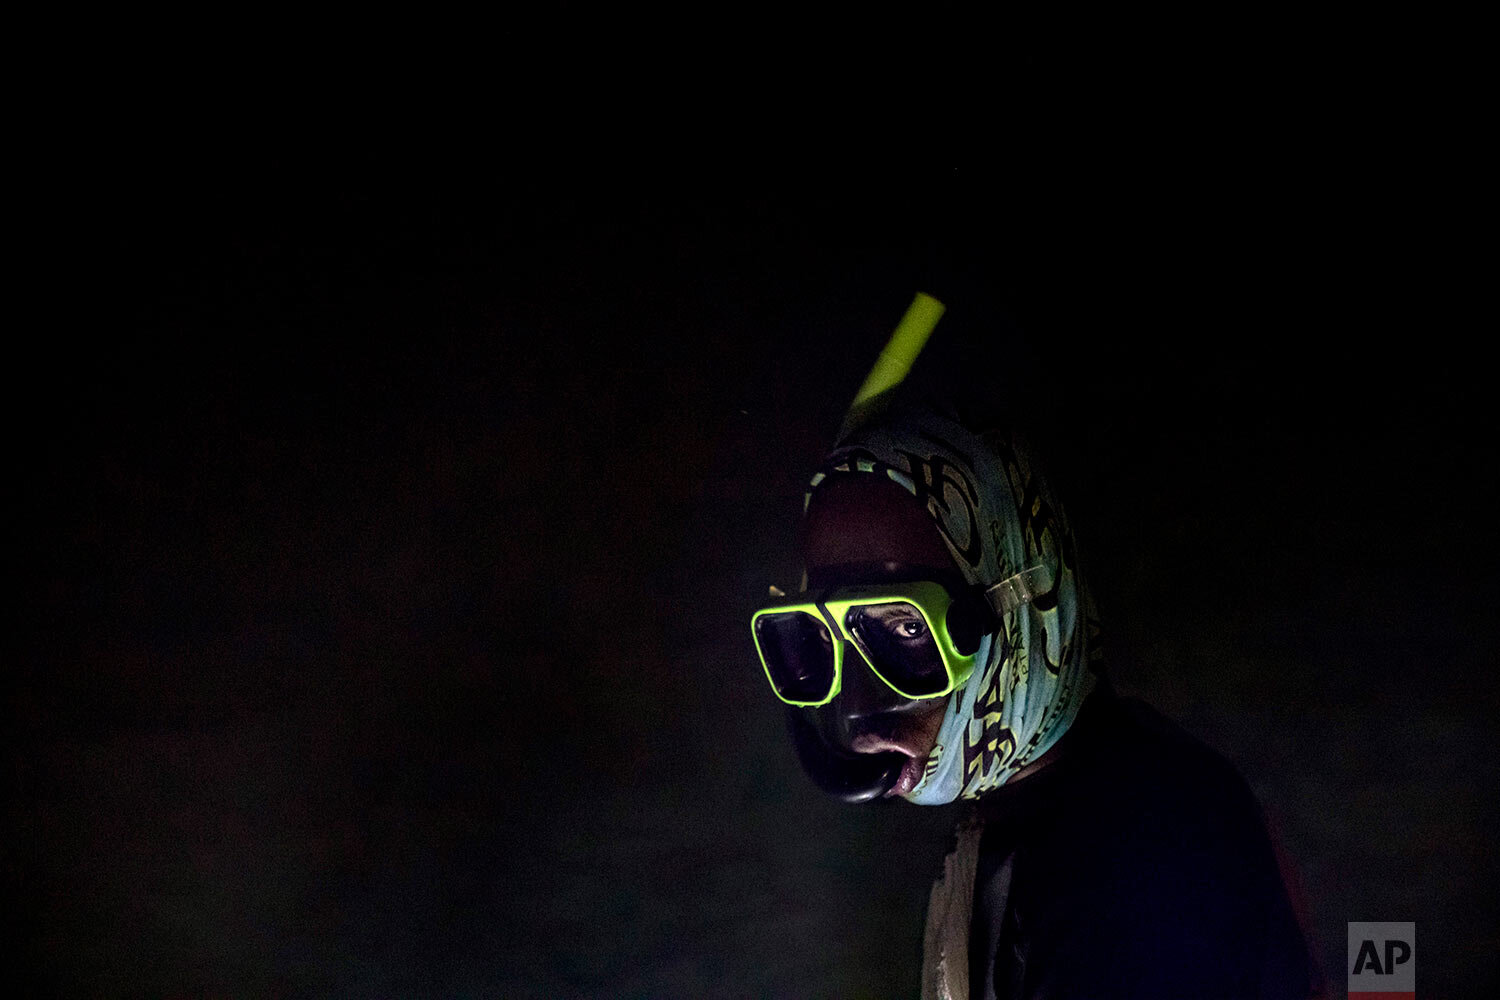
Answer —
997 517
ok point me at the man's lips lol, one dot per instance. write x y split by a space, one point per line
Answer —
910 775
876 743
911 772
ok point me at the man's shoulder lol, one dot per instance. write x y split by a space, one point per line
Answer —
1144 794
1146 759
1151 848
1126 767
1142 818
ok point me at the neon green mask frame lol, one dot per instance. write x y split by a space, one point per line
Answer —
833 620
921 609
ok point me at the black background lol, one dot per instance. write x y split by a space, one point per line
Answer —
391 505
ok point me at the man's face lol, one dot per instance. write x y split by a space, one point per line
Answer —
863 529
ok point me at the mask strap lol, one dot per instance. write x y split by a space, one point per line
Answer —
1009 594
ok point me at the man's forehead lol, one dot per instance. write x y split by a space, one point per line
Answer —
864 519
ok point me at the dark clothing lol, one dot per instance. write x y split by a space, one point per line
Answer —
1136 864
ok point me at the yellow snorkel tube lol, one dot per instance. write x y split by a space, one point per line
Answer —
895 359
857 777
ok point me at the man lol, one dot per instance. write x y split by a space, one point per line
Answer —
944 648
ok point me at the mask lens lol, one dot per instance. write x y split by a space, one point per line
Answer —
799 654
899 642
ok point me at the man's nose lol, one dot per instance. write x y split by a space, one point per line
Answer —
864 699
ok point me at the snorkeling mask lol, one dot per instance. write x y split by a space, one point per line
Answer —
918 637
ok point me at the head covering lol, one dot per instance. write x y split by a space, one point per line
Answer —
998 517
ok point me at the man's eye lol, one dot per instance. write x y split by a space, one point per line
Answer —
911 629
